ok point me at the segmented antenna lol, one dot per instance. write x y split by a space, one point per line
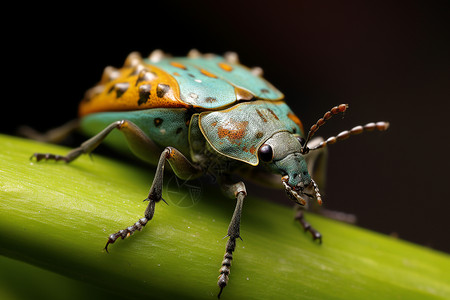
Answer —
381 126
334 111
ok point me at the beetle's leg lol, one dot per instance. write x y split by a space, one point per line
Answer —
273 180
143 147
54 135
139 143
316 162
239 192
306 226
86 147
182 168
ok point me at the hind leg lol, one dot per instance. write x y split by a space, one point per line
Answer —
141 145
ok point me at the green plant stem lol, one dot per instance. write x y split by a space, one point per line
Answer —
58 216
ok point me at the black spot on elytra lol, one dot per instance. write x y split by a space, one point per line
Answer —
162 89
259 135
179 129
264 91
121 88
111 89
210 100
144 93
158 122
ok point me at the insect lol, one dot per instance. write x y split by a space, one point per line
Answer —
206 114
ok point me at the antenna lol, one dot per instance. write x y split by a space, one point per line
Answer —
334 111
380 126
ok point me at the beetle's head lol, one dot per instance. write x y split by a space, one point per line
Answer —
282 152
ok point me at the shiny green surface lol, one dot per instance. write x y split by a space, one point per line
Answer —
57 216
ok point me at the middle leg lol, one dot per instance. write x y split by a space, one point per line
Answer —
182 168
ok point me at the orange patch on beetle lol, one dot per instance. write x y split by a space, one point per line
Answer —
296 120
225 67
252 150
233 130
178 65
207 73
172 153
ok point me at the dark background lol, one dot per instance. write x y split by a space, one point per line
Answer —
388 59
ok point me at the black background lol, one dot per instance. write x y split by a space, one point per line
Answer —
388 59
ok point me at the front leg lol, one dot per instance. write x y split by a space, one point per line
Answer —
239 192
182 168
299 216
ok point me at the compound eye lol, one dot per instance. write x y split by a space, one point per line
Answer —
301 140
265 153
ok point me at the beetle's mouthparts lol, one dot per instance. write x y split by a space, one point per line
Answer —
295 193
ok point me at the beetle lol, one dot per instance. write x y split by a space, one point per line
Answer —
203 113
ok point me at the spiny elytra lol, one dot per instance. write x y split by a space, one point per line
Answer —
206 114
